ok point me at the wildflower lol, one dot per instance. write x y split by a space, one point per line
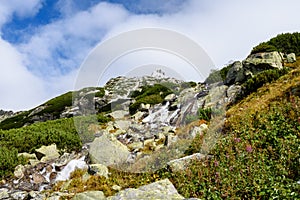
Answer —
216 163
249 148
237 140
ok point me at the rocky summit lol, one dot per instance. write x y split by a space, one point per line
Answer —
156 137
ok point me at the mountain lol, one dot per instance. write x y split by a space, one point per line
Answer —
234 136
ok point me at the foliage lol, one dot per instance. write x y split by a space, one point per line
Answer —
15 121
61 132
57 105
218 75
149 95
286 43
263 47
8 161
257 81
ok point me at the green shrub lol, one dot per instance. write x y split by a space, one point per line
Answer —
218 75
286 43
148 95
8 161
61 132
257 81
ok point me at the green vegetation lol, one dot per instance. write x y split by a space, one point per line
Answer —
256 158
149 95
218 75
204 114
285 43
61 132
51 110
8 161
257 81
57 105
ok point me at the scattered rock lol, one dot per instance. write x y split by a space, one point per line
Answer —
108 151
99 169
160 190
291 58
47 153
90 195
19 171
4 193
182 163
38 178
119 114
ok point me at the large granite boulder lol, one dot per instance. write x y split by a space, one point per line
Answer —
47 153
160 190
90 195
107 150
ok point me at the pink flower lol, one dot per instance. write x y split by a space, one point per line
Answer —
237 140
216 163
249 148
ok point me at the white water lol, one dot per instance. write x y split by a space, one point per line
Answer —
160 115
70 167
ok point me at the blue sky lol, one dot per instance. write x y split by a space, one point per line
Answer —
44 42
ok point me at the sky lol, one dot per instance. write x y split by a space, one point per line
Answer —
43 43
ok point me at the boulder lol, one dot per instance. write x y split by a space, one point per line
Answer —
4 193
46 153
182 163
119 114
290 58
235 74
99 169
160 190
107 150
258 62
19 171
122 124
90 195
170 97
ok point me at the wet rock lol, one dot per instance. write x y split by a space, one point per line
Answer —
99 169
47 153
38 178
182 163
163 189
90 195
108 151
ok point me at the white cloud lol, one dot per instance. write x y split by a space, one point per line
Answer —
26 8
227 30
19 89
61 46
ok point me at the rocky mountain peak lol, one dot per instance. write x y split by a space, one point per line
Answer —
158 73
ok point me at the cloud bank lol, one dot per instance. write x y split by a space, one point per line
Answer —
45 63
